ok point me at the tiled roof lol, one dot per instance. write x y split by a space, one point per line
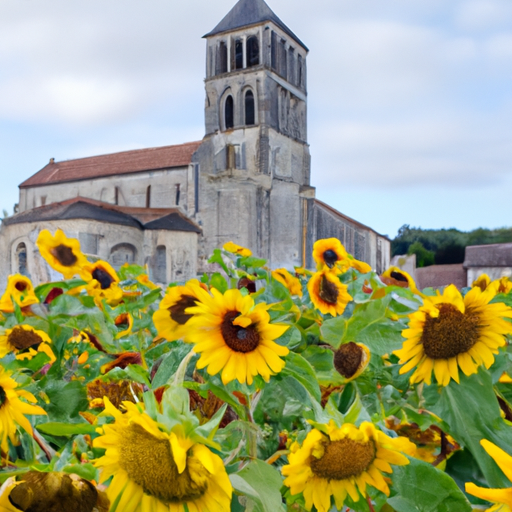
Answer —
437 276
126 162
492 255
169 219
250 12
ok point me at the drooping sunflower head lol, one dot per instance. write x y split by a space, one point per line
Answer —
351 359
330 252
124 322
327 293
117 392
25 342
450 332
236 249
395 276
337 462
482 281
502 498
159 470
20 289
103 282
63 254
172 316
234 335
501 285
37 491
291 282
13 409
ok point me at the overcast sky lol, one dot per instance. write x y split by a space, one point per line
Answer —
410 102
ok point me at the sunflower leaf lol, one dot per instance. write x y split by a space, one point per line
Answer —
300 369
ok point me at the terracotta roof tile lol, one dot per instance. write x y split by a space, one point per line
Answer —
125 162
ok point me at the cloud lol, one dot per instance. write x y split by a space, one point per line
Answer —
482 15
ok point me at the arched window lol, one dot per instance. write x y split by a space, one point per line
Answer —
121 254
160 270
222 58
253 51
249 108
239 54
229 113
21 257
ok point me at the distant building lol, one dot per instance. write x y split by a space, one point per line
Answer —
247 181
495 260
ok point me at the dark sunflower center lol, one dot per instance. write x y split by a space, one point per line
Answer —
54 492
149 462
347 359
328 291
103 277
239 339
450 334
3 396
330 258
343 459
64 255
178 310
20 286
21 339
399 277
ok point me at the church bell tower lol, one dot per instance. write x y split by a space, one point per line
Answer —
255 171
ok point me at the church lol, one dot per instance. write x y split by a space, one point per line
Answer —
246 181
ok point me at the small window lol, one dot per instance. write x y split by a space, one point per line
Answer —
160 272
291 66
283 68
249 108
300 72
88 243
222 58
43 200
116 195
273 51
239 54
148 197
121 254
21 256
177 194
253 51
229 113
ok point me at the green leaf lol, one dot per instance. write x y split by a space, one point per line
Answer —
55 428
219 282
86 471
67 399
170 364
332 330
423 488
216 257
472 413
261 484
298 368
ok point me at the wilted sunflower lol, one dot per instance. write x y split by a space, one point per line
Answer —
450 332
395 276
501 497
291 282
103 282
351 359
171 319
158 471
63 254
124 322
343 461
330 252
12 409
236 249
53 491
327 293
234 335
20 289
25 342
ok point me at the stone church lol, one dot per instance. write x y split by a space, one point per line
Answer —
247 181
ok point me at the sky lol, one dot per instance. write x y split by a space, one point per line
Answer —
409 103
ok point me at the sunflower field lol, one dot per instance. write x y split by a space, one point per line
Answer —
253 389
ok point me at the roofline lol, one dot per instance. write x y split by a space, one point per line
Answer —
357 223
283 28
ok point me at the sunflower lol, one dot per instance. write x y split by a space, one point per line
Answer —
234 335
291 282
155 470
170 319
330 252
12 409
102 282
502 285
395 276
501 497
360 266
482 281
124 322
341 461
351 359
449 332
20 289
39 491
63 254
237 249
327 293
25 342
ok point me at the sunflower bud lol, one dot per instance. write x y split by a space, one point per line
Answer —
351 359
